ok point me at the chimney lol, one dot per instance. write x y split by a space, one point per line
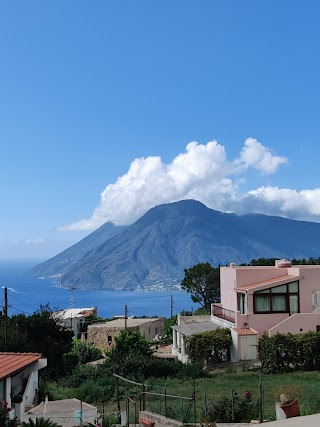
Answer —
232 265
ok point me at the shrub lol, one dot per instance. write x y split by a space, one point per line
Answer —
236 409
210 346
289 352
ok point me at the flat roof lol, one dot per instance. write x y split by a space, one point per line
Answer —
65 405
192 328
119 323
74 312
11 363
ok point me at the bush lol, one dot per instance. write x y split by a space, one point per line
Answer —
227 410
289 352
210 346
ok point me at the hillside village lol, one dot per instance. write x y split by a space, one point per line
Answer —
258 305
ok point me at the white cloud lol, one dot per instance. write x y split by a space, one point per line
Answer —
303 205
256 155
202 172
34 241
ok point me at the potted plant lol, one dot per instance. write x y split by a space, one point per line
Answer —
288 400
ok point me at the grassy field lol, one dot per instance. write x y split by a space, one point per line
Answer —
213 388
222 383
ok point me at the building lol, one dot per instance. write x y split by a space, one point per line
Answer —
19 381
67 412
187 326
264 299
74 318
102 335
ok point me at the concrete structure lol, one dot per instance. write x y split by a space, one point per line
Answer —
74 318
102 335
19 380
67 412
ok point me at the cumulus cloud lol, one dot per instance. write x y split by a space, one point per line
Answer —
303 205
203 172
255 155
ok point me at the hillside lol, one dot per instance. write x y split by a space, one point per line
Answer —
153 252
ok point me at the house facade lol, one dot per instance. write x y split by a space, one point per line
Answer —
102 335
261 299
274 299
19 381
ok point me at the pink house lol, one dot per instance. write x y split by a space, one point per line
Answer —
256 300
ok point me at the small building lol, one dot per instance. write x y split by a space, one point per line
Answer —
19 381
102 335
74 318
67 412
187 326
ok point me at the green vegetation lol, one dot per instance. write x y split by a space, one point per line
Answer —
203 283
39 333
83 353
39 422
290 352
5 421
210 346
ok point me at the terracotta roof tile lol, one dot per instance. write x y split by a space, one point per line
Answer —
280 280
245 331
11 363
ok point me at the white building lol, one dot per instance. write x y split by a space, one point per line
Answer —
74 318
19 381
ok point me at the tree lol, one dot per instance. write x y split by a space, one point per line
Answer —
129 343
203 283
41 333
84 352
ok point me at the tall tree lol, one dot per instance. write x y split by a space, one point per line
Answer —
203 283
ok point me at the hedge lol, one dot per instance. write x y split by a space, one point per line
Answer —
290 352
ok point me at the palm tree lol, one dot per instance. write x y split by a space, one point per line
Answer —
40 422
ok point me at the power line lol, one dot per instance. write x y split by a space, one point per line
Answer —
22 302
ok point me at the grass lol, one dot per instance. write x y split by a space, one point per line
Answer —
221 384
213 388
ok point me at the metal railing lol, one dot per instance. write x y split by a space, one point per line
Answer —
223 313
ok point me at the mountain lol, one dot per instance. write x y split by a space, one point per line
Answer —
60 263
153 252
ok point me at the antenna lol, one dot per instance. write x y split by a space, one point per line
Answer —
71 289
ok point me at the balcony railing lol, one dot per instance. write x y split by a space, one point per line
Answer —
223 313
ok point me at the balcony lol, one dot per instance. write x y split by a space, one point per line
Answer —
223 313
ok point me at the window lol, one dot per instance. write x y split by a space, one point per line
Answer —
242 303
280 299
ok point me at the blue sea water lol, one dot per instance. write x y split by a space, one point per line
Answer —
26 294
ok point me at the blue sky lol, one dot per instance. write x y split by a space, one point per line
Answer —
89 88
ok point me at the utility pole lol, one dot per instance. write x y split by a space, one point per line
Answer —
71 289
171 306
5 313
125 317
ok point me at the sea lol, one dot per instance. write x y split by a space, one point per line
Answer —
26 294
